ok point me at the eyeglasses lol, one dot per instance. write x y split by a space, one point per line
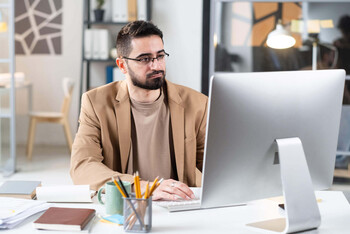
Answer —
146 60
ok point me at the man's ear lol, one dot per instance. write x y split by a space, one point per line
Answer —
121 64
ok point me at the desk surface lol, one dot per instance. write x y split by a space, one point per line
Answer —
334 209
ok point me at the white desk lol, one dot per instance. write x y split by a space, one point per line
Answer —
334 208
5 111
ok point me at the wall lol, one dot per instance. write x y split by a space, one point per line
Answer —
181 23
326 11
46 73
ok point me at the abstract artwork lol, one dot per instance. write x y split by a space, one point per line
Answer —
251 28
38 27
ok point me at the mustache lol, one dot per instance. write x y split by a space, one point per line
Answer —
155 73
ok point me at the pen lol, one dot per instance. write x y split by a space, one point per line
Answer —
119 188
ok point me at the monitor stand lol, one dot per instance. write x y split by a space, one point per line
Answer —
301 207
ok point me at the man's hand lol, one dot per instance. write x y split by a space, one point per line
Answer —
172 190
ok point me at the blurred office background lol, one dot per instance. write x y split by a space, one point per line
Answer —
49 46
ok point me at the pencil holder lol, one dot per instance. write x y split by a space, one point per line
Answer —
137 214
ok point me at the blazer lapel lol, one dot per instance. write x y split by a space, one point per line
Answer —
177 115
122 112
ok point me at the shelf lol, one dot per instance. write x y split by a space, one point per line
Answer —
347 153
4 60
4 5
112 28
5 113
99 60
105 23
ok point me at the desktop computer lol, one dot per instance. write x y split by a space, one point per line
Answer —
271 134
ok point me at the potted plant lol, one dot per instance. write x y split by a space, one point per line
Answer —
99 11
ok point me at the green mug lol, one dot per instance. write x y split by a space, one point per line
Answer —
113 198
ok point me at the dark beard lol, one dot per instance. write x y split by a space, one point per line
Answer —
150 84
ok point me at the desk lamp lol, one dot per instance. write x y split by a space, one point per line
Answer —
315 44
280 38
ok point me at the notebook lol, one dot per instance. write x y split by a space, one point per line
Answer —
64 219
65 193
19 189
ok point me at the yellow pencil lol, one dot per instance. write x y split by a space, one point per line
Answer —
119 188
153 187
147 189
135 185
138 185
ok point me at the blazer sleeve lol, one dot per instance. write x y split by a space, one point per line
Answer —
87 165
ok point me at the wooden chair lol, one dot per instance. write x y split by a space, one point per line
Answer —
342 173
53 117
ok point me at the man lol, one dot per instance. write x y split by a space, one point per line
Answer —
143 123
343 47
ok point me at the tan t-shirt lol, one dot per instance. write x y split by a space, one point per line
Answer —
152 152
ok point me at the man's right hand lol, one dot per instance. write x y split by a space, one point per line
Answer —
172 190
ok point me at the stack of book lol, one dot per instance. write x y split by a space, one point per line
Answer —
19 189
121 11
97 44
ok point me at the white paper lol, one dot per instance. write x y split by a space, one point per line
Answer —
65 193
14 210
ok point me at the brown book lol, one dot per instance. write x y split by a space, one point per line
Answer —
132 10
19 189
64 219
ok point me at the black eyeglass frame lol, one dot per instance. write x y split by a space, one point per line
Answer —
151 60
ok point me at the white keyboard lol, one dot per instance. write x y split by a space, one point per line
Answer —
182 205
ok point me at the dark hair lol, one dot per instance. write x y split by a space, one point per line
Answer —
344 24
135 29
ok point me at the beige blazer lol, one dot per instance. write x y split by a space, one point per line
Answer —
102 144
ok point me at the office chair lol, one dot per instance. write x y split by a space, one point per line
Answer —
53 117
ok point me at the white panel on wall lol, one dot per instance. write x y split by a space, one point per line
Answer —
181 23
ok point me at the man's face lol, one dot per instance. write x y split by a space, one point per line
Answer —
145 75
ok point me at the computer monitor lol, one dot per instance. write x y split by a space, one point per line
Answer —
248 111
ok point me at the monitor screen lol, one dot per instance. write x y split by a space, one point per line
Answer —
248 112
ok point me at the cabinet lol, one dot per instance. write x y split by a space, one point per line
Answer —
91 64
7 58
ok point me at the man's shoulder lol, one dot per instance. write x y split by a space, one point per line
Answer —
185 93
109 90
